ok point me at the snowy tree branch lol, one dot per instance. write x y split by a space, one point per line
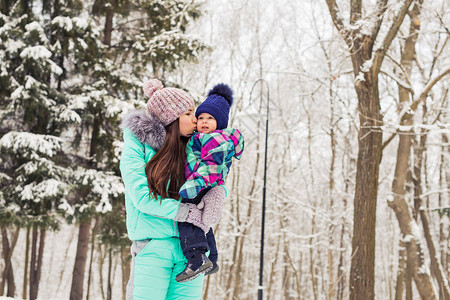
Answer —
382 6
428 88
405 85
416 103
337 21
400 66
355 11
380 53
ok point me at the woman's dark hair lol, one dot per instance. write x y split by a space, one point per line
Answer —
166 167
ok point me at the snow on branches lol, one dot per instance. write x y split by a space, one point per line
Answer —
30 144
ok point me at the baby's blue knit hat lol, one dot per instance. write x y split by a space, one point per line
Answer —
217 104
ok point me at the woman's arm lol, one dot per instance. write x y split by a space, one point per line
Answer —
132 168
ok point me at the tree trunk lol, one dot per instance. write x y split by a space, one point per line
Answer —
36 260
273 269
94 230
100 269
366 190
340 271
33 281
126 260
109 290
444 238
361 48
27 257
8 272
408 225
5 250
408 281
107 32
76 291
400 272
312 271
436 267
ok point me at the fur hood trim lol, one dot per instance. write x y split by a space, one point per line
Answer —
147 128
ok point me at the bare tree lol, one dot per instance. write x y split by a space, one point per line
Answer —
366 61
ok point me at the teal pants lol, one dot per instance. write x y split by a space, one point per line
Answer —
154 268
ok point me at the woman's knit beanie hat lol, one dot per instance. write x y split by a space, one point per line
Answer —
167 104
217 104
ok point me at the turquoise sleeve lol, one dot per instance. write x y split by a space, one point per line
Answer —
132 168
226 191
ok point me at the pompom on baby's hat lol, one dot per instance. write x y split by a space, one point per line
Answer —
217 104
167 104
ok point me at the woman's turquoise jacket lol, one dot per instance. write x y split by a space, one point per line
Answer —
147 217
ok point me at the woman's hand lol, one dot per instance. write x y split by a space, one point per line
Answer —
195 217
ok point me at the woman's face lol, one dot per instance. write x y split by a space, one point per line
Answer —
188 123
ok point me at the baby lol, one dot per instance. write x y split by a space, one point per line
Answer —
209 155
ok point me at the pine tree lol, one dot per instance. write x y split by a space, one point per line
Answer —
153 34
64 88
33 113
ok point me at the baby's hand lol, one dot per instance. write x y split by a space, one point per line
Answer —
214 201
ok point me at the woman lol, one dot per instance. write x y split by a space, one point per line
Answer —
152 167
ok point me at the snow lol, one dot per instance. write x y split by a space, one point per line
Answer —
69 115
63 22
19 93
360 77
414 229
104 206
117 150
436 128
35 26
26 193
35 52
80 22
66 207
114 106
82 44
13 207
390 198
57 46
30 167
367 65
82 207
71 45
423 269
138 46
29 81
105 185
55 68
26 141
12 46
79 101
408 238
44 189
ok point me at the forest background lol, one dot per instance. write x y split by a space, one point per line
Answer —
358 172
